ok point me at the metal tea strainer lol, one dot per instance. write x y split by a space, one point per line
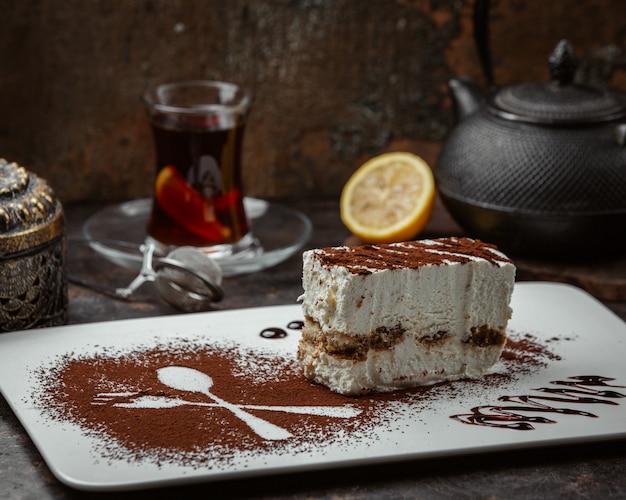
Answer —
186 278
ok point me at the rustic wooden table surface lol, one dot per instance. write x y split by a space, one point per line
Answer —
587 471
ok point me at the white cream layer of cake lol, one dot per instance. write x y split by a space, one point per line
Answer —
382 318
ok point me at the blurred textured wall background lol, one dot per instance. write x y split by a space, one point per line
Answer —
336 81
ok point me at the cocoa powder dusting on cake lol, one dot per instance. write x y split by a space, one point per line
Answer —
412 254
118 399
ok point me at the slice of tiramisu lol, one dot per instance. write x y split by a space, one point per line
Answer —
388 317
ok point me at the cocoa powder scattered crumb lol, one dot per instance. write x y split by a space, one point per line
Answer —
525 353
106 395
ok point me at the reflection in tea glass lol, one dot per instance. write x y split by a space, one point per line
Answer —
198 129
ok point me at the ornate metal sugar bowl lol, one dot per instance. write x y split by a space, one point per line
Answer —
33 279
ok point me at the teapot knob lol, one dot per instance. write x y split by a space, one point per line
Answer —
563 63
620 134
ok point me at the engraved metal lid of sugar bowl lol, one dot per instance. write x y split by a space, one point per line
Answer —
33 281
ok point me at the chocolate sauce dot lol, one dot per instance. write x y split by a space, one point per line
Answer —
273 333
296 325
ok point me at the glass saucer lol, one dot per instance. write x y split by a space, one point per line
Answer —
279 232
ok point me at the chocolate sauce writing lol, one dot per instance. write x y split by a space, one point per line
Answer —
577 390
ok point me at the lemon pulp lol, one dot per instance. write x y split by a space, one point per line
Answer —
389 198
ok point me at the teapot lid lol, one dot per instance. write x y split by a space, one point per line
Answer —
30 214
559 101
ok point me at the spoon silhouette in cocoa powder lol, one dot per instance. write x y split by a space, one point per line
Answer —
188 379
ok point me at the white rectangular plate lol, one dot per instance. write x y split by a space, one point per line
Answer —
585 338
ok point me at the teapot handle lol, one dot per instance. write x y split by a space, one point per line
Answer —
481 39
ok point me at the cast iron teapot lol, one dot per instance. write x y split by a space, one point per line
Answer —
537 168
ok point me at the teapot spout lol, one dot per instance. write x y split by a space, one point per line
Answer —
467 97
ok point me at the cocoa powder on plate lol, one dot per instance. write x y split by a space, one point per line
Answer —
97 392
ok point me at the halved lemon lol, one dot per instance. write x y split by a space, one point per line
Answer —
389 198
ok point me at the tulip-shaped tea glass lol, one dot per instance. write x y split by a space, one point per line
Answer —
198 129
